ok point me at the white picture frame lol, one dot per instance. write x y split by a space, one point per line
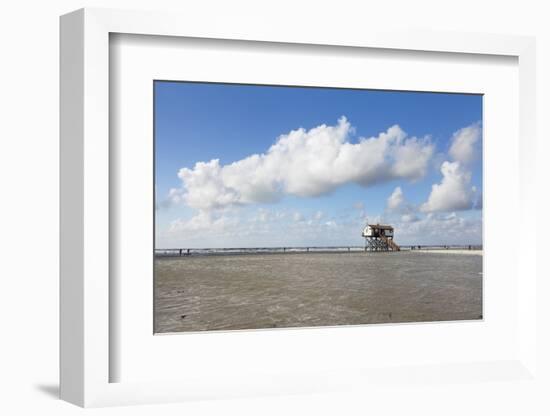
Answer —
85 211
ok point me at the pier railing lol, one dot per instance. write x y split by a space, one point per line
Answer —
181 252
443 247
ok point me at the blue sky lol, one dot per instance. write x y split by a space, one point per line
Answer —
351 150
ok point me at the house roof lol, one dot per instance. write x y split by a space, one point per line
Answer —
380 226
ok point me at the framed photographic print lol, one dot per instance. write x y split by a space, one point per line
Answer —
277 213
264 223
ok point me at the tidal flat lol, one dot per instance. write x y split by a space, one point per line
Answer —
258 291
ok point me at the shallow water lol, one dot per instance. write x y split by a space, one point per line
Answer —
302 290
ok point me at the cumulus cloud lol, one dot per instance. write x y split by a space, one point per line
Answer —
396 199
309 163
454 193
397 207
270 227
249 227
204 220
439 228
297 216
464 142
305 163
411 217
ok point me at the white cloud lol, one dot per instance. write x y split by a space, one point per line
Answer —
313 162
247 227
439 228
305 163
396 199
205 187
269 227
204 220
411 217
298 217
454 193
464 142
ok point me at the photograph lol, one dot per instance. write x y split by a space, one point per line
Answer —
298 206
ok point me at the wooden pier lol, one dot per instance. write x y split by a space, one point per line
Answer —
183 252
191 252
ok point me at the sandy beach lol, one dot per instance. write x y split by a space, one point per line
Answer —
305 290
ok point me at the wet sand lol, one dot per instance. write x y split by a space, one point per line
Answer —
312 289
452 251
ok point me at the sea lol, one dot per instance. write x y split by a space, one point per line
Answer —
312 289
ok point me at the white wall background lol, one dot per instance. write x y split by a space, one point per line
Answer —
29 205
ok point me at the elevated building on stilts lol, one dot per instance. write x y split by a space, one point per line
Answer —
379 237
